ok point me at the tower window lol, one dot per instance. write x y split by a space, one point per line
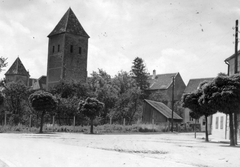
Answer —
71 48
53 49
80 50
58 48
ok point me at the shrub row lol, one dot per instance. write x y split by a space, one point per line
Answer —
107 128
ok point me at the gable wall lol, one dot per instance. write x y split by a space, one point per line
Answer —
150 113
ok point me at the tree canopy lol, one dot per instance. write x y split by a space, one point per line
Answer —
43 102
90 108
139 73
223 95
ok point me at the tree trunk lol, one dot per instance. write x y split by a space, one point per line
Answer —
195 128
235 128
41 125
91 128
206 128
232 143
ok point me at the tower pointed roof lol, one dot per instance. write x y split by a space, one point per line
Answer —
69 23
17 68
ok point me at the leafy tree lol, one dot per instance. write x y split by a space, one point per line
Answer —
91 108
102 87
159 96
3 63
66 110
42 102
128 102
139 73
68 89
193 101
16 101
223 95
1 99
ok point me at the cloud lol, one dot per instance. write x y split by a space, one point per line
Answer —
175 60
112 64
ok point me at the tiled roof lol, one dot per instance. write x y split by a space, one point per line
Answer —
17 68
194 83
69 23
161 81
163 109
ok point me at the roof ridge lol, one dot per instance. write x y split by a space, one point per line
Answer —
16 68
69 23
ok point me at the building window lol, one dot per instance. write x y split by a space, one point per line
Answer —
80 50
216 122
53 48
58 48
221 123
71 49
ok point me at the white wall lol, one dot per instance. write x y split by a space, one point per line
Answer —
219 122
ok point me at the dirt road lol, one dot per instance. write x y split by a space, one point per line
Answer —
70 150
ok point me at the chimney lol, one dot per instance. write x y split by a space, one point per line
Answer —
154 74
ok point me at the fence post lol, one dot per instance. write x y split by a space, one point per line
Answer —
53 122
30 121
110 120
73 123
123 121
153 125
5 118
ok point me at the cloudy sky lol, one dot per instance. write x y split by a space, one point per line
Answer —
186 36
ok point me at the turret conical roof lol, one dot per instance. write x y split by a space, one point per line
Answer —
69 23
17 68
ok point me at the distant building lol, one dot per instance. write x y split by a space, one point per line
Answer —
67 51
67 56
163 83
191 86
158 112
17 73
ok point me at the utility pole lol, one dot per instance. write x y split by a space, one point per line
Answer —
172 100
236 71
236 48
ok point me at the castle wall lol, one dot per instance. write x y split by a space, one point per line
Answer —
75 57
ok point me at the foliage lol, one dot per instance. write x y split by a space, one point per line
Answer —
67 108
90 108
223 94
3 63
128 103
195 115
1 99
159 96
43 102
16 101
69 89
194 101
139 73
102 87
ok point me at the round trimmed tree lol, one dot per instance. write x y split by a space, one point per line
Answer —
90 108
42 102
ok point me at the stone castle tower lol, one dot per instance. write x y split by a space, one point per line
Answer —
67 51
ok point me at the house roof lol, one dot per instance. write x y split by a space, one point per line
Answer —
161 81
194 83
17 68
163 109
70 24
229 58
